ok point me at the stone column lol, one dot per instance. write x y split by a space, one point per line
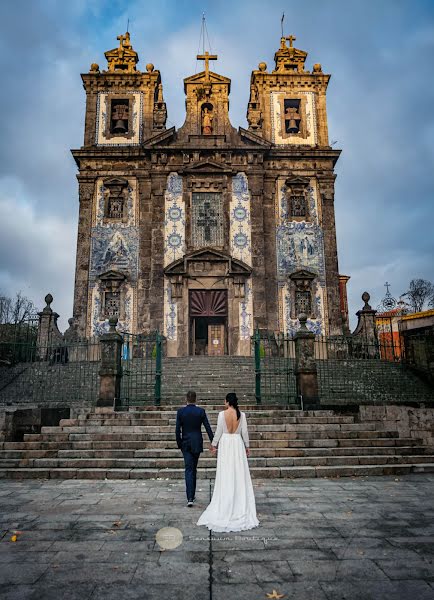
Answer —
48 331
110 372
305 365
82 266
365 334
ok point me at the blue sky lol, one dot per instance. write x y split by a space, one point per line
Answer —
380 107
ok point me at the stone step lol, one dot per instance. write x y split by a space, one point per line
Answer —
175 453
291 435
261 472
269 444
166 420
178 463
255 428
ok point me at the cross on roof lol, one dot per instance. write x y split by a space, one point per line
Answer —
387 285
291 39
124 40
206 57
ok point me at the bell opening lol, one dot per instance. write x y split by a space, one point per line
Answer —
119 116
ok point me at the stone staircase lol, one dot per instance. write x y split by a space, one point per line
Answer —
140 444
209 377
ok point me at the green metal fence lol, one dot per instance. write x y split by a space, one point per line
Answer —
141 370
274 356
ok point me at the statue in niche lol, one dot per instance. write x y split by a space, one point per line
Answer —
207 120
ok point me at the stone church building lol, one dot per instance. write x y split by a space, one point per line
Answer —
207 232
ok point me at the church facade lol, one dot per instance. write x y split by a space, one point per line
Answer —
206 232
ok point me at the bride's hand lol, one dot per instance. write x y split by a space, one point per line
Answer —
248 451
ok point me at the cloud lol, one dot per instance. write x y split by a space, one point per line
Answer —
380 102
41 246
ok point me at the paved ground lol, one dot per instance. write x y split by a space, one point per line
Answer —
369 538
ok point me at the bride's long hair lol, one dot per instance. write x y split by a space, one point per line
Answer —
232 400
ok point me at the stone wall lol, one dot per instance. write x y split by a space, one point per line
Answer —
409 421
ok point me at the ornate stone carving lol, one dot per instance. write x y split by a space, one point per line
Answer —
123 58
289 58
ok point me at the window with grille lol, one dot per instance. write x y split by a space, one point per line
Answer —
207 219
303 302
298 205
112 304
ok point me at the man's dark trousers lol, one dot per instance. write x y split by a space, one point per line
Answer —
190 460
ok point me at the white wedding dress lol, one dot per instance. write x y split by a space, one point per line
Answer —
232 506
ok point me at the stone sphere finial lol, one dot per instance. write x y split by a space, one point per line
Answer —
302 317
366 297
70 321
317 68
94 68
149 67
48 299
262 66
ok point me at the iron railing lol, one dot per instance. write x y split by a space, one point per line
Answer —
274 355
141 362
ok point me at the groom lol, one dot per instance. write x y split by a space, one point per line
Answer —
189 420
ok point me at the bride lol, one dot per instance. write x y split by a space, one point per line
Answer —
232 506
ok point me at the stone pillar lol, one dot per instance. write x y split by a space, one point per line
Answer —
305 365
48 331
110 372
365 334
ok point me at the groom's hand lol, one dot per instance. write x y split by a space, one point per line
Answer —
248 451
212 448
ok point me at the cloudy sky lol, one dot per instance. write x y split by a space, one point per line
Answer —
380 107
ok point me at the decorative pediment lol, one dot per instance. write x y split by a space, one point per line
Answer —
201 77
115 181
208 261
302 274
207 166
112 275
297 181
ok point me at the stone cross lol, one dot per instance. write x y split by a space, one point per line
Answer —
291 39
207 57
207 219
121 39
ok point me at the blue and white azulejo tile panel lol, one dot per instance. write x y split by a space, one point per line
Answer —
240 223
114 247
170 314
174 220
246 313
300 246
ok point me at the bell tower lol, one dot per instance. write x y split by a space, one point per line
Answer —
207 103
288 105
124 108
287 109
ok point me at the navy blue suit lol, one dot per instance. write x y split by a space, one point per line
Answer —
189 421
